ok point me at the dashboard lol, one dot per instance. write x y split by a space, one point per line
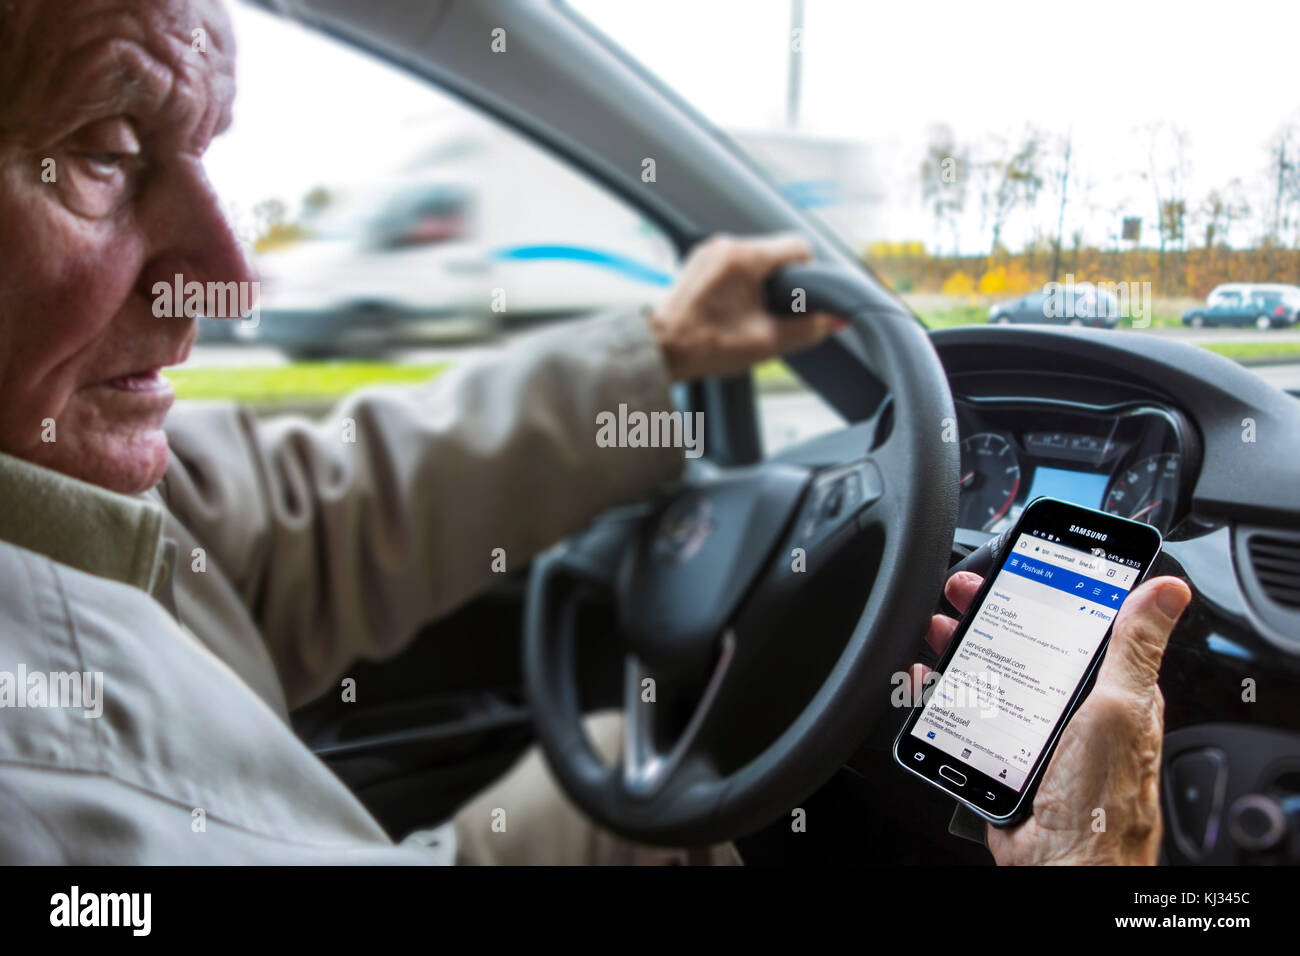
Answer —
1132 459
1151 428
1147 427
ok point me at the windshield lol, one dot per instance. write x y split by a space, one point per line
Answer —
973 156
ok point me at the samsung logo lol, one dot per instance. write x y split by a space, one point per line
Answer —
1087 532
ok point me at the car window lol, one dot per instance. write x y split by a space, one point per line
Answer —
394 243
972 185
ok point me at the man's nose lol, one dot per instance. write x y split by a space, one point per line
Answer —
190 236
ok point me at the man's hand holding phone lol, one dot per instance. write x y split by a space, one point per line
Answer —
1108 757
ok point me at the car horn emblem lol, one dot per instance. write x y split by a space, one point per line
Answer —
683 529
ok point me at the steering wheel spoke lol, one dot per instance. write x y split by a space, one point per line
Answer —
648 763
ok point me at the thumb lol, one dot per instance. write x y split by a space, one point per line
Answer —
804 331
765 253
1142 629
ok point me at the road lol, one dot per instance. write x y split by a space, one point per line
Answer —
1226 336
261 355
1286 377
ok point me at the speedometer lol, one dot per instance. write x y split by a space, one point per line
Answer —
990 478
1148 491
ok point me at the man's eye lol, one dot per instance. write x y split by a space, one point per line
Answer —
107 162
101 180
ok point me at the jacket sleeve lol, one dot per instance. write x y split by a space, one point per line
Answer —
344 536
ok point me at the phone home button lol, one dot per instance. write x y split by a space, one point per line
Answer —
949 774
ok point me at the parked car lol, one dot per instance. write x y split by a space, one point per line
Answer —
1079 304
1242 288
1264 307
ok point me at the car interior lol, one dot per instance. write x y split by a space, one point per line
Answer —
778 686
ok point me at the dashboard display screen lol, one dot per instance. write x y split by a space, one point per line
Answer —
1081 487
1029 645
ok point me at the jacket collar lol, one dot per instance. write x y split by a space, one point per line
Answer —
81 525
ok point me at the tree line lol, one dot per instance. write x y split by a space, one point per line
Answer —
1039 178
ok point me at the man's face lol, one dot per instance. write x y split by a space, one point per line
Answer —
106 109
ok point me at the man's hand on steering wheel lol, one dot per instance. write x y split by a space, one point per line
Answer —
714 321
1109 754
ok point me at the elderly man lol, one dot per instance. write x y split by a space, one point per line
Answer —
218 570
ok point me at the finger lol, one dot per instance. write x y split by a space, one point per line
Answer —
804 331
940 632
961 589
916 675
765 253
1142 629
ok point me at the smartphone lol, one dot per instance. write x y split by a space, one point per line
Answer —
1023 657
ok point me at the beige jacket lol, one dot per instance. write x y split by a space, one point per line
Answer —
272 556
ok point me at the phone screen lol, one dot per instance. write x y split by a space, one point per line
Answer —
1024 654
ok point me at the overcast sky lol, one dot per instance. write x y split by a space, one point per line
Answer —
881 73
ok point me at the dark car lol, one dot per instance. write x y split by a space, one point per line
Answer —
1070 305
1263 309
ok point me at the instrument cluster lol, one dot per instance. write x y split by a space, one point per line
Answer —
1128 460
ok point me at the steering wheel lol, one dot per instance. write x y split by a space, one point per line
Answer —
763 612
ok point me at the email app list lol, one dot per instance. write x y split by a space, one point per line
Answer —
1028 647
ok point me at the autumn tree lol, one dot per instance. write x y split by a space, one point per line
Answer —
1284 180
944 177
1219 210
1063 193
1167 173
1011 179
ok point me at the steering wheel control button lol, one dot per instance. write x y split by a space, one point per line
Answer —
836 497
956 776
1196 782
835 500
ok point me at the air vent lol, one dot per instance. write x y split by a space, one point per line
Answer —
1276 563
1268 567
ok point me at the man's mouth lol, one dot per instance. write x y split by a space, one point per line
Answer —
144 380
149 381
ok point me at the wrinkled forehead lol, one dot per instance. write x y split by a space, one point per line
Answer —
65 62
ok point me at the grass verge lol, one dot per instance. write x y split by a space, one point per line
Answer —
299 382
305 383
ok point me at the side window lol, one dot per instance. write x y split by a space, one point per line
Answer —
789 411
392 243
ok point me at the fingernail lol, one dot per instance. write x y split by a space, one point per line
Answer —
1171 599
